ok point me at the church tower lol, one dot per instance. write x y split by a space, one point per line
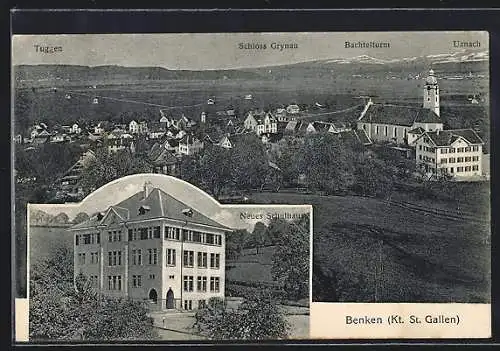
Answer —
431 93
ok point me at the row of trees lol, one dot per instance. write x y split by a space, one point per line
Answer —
63 310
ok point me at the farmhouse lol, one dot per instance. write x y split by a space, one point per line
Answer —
153 247
268 125
162 160
190 145
391 123
457 152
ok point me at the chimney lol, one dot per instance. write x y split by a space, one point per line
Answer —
148 186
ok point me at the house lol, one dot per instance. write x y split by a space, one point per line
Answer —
357 136
152 246
189 145
133 127
391 123
268 125
99 128
296 126
120 144
318 126
60 138
282 116
211 101
456 152
69 182
248 97
35 130
162 160
250 122
41 138
75 129
143 127
293 109
18 139
185 123
225 142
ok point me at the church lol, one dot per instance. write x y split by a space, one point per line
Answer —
403 124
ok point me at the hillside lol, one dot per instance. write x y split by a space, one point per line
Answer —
418 257
75 73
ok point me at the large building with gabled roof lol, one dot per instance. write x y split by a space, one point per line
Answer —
456 152
393 123
152 246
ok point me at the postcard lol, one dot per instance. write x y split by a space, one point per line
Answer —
239 138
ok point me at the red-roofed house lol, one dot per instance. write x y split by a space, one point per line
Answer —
153 247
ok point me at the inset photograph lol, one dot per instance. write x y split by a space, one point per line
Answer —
151 257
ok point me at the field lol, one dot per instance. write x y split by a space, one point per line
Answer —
189 97
400 254
251 267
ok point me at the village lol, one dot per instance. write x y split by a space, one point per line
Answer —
415 132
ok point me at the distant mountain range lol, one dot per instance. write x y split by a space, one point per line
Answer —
451 63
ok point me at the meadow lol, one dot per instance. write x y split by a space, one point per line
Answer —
400 255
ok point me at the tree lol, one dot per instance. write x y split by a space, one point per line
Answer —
258 317
80 217
249 163
373 177
63 309
260 235
326 163
291 257
107 167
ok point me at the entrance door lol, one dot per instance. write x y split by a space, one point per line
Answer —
170 299
153 295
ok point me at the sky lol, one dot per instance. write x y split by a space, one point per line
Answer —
205 51
120 189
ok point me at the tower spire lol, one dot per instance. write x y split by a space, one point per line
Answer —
431 93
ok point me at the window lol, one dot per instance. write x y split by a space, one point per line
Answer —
114 282
451 160
156 232
81 258
420 147
460 159
467 168
460 169
475 168
419 157
137 257
77 240
214 284
202 304
395 132
136 281
152 277
475 158
189 258
475 148
452 150
451 169
444 160
187 235
114 258
467 159
171 277
467 149
172 233
444 150
114 235
94 257
202 284
188 283
202 259
153 256
133 234
170 257
385 130
214 260
188 304
376 129
460 149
